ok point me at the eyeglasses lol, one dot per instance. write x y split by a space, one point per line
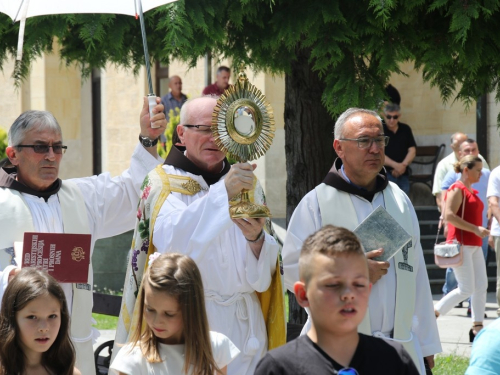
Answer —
44 149
389 117
348 371
366 142
204 129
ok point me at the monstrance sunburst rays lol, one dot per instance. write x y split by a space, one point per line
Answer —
243 127
243 147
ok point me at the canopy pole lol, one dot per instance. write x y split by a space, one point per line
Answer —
17 14
145 44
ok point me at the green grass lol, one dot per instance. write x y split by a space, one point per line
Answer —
450 365
105 321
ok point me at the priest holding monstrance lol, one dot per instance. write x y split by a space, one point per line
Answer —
199 205
34 200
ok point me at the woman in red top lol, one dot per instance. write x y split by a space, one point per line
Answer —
467 230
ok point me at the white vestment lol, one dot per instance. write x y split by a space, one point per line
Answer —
111 205
306 220
199 226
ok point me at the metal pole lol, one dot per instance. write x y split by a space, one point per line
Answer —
17 14
145 44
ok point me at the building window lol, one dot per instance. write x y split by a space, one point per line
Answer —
161 84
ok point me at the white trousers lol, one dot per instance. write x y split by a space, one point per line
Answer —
472 281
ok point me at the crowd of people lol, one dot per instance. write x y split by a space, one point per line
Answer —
203 292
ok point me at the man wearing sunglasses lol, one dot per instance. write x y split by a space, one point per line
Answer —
355 186
401 149
34 199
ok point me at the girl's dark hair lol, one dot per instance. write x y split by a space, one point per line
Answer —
179 276
26 286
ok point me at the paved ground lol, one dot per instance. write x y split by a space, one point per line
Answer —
454 327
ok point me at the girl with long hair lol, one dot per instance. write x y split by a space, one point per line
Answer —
175 338
34 327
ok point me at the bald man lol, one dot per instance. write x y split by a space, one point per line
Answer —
236 257
175 98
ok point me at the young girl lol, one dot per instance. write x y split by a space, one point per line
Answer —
34 327
176 339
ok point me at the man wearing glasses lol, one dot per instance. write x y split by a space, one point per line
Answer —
34 199
401 149
187 211
355 186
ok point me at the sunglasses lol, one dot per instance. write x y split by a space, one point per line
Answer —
389 117
44 149
348 371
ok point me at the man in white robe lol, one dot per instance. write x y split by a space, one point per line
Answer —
235 257
38 200
359 183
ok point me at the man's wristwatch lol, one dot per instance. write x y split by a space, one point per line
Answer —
148 142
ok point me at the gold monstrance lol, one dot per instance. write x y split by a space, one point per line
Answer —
243 126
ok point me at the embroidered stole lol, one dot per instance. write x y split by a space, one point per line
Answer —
336 208
155 190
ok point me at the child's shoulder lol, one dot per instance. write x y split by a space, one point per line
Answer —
130 348
379 345
129 360
294 347
294 354
218 340
224 351
384 354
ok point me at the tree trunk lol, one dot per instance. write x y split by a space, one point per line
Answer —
308 142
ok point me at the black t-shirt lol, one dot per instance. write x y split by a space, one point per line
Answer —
303 357
399 143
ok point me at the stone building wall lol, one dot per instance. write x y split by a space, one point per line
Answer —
432 121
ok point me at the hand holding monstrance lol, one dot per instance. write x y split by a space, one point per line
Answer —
243 126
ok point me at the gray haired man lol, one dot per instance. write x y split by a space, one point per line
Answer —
34 199
354 187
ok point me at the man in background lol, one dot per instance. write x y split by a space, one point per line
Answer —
221 82
401 150
174 99
446 165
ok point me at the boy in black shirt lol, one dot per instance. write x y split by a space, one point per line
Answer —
335 287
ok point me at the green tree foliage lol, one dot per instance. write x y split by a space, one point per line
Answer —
334 54
353 45
3 143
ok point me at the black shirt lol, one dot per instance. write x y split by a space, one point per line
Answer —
399 143
302 356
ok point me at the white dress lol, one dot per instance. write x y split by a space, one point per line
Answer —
130 360
199 226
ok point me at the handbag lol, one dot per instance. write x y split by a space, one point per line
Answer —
449 254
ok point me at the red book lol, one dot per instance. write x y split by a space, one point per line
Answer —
65 256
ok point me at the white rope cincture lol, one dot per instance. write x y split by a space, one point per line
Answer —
252 343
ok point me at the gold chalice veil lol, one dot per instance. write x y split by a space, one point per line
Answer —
243 127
